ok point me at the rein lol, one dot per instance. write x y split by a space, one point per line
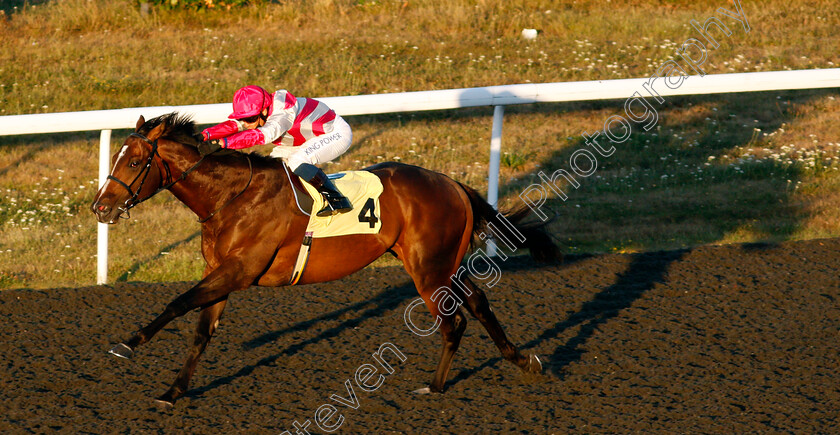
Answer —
132 201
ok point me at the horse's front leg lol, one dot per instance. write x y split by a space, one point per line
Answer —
208 321
215 287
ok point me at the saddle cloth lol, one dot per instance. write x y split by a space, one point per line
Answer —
362 188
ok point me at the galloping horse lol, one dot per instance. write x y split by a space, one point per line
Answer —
252 230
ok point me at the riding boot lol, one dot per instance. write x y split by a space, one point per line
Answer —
336 202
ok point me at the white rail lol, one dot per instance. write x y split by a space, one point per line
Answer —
498 96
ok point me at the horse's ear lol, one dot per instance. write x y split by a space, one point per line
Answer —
140 123
156 132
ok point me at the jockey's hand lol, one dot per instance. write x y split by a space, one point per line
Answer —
209 147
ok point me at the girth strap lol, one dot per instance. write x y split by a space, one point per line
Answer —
303 257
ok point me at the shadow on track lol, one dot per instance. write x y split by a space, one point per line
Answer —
644 271
383 302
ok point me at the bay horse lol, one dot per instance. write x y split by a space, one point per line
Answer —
252 231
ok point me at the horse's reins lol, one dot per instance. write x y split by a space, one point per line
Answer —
133 201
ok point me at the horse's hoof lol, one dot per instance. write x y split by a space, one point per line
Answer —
164 404
426 390
534 364
122 351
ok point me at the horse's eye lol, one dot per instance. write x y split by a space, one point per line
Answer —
134 164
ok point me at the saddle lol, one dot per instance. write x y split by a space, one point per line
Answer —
362 188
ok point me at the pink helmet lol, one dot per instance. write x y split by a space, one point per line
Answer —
249 101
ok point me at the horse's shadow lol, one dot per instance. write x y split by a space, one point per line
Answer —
644 271
380 304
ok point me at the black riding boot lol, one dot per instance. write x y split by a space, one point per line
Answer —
336 202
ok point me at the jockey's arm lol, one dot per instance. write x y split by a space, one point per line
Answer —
223 130
274 127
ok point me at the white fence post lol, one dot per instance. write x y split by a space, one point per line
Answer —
102 229
493 170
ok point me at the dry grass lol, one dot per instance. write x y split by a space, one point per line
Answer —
717 169
85 54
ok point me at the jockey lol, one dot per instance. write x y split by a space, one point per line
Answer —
306 132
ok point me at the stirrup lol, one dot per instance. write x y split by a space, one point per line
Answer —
335 206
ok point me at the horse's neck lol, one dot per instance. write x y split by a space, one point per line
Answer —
198 190
215 181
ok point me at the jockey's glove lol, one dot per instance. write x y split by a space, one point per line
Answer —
210 146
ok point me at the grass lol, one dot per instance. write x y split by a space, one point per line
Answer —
716 169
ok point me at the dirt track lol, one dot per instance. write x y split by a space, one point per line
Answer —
726 339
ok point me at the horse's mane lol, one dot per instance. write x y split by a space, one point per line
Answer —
177 127
181 128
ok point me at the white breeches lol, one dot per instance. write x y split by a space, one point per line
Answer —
320 149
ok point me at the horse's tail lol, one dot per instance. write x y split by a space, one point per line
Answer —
536 238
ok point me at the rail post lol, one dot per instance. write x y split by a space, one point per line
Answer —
493 170
102 229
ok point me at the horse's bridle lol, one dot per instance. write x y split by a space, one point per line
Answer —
132 201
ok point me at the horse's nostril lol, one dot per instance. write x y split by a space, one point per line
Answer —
101 209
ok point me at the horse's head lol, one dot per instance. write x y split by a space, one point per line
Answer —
136 174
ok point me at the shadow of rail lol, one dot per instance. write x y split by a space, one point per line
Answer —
166 249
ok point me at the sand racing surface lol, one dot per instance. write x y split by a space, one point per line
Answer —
722 339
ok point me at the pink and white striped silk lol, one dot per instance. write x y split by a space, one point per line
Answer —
291 122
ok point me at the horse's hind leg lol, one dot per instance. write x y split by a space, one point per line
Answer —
430 274
208 321
479 307
452 329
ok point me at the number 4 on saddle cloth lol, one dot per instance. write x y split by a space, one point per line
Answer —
362 188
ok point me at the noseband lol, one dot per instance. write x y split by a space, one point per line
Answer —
132 201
